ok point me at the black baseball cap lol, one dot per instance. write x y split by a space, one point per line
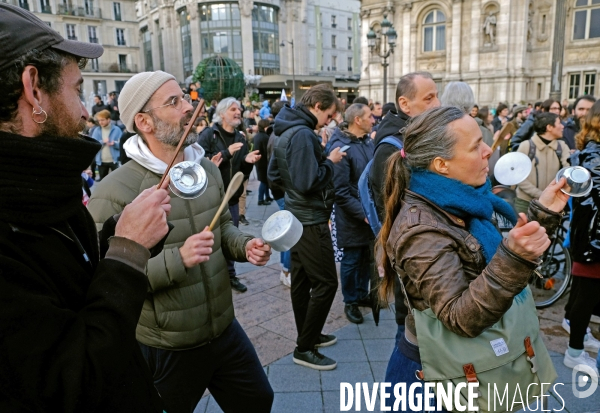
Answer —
21 31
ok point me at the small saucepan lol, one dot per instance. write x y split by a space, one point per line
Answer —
282 230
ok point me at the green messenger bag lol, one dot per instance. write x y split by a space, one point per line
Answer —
509 360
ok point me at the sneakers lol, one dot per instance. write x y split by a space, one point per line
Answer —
591 344
285 278
243 220
314 360
264 202
353 314
584 358
326 340
566 324
237 285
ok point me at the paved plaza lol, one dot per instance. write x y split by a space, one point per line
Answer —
362 351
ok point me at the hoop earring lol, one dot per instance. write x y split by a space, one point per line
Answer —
42 111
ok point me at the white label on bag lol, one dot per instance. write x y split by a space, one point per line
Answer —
499 346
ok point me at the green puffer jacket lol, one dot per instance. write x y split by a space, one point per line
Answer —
185 308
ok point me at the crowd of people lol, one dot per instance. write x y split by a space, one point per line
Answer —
123 302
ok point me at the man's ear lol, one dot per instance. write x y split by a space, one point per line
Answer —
318 106
32 93
143 122
403 104
440 165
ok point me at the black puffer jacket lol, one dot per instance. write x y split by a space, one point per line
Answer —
352 230
301 167
213 141
585 222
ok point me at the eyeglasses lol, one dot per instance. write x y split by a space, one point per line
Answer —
175 102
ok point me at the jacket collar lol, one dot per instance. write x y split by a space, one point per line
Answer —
456 220
540 145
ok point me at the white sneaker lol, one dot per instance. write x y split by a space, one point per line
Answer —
566 324
591 344
584 358
285 279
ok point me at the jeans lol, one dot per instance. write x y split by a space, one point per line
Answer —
355 273
263 191
228 366
284 256
235 217
401 369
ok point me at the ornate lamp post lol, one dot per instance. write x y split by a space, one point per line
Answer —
293 66
387 37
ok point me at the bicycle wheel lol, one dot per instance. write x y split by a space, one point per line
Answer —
553 277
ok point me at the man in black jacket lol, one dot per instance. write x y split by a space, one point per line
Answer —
415 93
306 174
68 309
228 148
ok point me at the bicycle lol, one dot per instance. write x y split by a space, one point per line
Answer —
552 278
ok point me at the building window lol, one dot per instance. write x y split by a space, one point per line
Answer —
349 23
120 37
333 23
220 30
586 20
265 37
349 43
123 63
147 47
71 32
94 65
45 6
117 10
89 8
574 84
186 43
24 4
333 38
350 68
93 38
334 63
434 31
589 83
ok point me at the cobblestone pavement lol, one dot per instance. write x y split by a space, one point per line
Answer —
362 351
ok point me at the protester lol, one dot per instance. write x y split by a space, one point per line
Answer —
353 232
550 154
585 242
223 142
505 134
265 111
187 330
261 139
377 112
474 111
525 132
113 104
440 240
501 117
301 167
211 111
581 107
458 94
109 135
99 105
69 301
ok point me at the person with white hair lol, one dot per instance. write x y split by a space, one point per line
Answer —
226 146
187 329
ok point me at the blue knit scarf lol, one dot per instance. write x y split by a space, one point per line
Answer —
474 205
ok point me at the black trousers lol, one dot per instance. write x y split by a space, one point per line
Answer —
314 283
105 167
228 366
585 295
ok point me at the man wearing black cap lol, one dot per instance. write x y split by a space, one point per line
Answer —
68 309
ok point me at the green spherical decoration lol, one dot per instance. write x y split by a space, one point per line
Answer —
220 77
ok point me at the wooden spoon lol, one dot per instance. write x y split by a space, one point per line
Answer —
234 184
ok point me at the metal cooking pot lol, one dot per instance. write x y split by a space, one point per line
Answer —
282 230
579 181
188 180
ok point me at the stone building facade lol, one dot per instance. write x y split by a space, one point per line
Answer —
502 48
176 35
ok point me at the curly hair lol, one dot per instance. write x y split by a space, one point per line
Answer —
590 127
49 63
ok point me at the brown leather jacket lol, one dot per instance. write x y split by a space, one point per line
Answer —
443 267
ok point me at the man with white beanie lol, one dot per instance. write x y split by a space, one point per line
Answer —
187 329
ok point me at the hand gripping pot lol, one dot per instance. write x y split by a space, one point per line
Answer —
282 230
188 180
579 181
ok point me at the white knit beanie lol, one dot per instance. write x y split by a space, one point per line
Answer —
137 92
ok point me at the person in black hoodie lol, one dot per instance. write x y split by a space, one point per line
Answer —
305 172
261 139
69 302
415 93
228 148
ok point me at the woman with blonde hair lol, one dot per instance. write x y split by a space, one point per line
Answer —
440 241
585 246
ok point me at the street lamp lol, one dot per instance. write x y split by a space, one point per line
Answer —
388 37
293 66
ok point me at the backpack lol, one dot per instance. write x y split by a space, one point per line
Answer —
365 192
531 154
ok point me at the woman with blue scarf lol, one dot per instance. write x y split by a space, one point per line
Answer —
440 239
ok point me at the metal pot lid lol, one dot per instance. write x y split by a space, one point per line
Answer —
188 180
277 225
579 181
512 168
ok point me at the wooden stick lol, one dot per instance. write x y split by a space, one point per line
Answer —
234 184
188 128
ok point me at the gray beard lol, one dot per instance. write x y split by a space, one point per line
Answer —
170 134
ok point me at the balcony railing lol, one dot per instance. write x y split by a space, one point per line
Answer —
80 11
72 37
94 40
111 68
46 8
